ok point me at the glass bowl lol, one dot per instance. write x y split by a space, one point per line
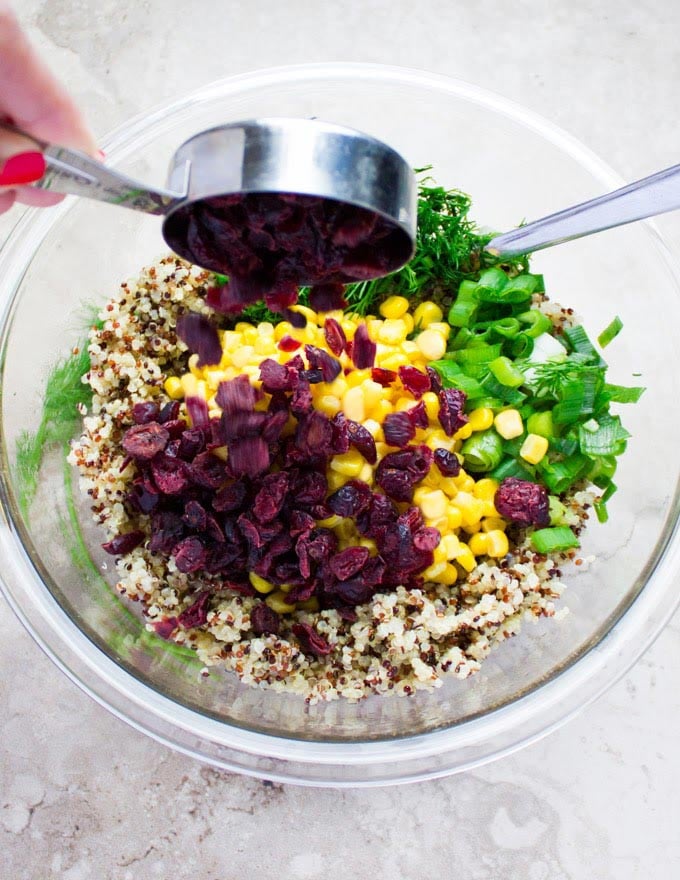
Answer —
515 165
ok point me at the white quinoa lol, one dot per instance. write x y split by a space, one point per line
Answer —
401 642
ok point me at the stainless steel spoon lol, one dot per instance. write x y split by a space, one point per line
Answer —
656 194
291 156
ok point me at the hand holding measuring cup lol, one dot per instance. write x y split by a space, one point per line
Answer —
32 99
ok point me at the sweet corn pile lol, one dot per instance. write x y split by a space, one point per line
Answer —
460 508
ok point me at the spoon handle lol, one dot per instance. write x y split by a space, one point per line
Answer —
648 197
74 173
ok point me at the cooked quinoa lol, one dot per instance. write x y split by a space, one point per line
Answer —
400 642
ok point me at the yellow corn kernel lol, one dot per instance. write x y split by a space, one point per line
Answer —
441 524
481 419
382 449
509 424
335 480
485 489
433 479
466 558
494 523
431 402
410 349
478 544
369 544
384 408
253 372
437 439
433 572
189 384
440 327
489 508
310 314
454 517
349 463
242 326
392 332
463 433
338 387
448 486
357 377
470 508
346 529
260 584
282 329
473 528
250 335
286 588
330 522
221 452
173 388
328 404
277 602
439 554
449 576
242 355
432 502
404 403
450 546
534 448
408 320
497 544
310 605
394 361
366 474
426 313
394 307
353 404
194 368
464 482
349 326
431 344
265 345
373 393
374 429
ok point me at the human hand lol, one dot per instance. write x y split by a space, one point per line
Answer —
33 100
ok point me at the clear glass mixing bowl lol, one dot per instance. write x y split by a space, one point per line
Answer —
515 165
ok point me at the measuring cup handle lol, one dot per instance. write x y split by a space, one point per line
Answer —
74 173
648 197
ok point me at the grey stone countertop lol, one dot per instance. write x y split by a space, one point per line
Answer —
84 797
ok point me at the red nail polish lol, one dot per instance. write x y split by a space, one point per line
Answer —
23 168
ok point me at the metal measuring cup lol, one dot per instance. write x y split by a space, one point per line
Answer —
280 156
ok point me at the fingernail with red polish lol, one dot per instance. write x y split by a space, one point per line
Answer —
23 168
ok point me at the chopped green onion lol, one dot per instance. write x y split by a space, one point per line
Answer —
610 332
479 354
554 539
579 342
541 423
609 438
522 345
623 393
559 476
506 372
511 467
601 504
507 328
536 322
465 304
483 451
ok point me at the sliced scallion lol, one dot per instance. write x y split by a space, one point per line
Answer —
483 451
554 540
610 332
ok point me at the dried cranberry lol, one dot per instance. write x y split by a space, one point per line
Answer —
398 472
143 496
169 474
191 443
320 360
310 640
362 440
308 488
164 627
199 334
122 544
207 470
301 400
190 555
435 380
451 410
523 502
321 544
264 620
297 319
351 499
269 500
426 538
348 562
363 349
195 516
314 434
398 429
354 591
276 376
300 522
213 530
340 442
335 336
197 613
414 380
314 377
236 395
383 377
447 462
327 297
251 532
418 416
287 343
166 530
230 497
169 412
248 457
144 441
143 413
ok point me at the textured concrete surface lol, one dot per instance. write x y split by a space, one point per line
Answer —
82 796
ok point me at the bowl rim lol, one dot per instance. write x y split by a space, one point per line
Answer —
501 730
